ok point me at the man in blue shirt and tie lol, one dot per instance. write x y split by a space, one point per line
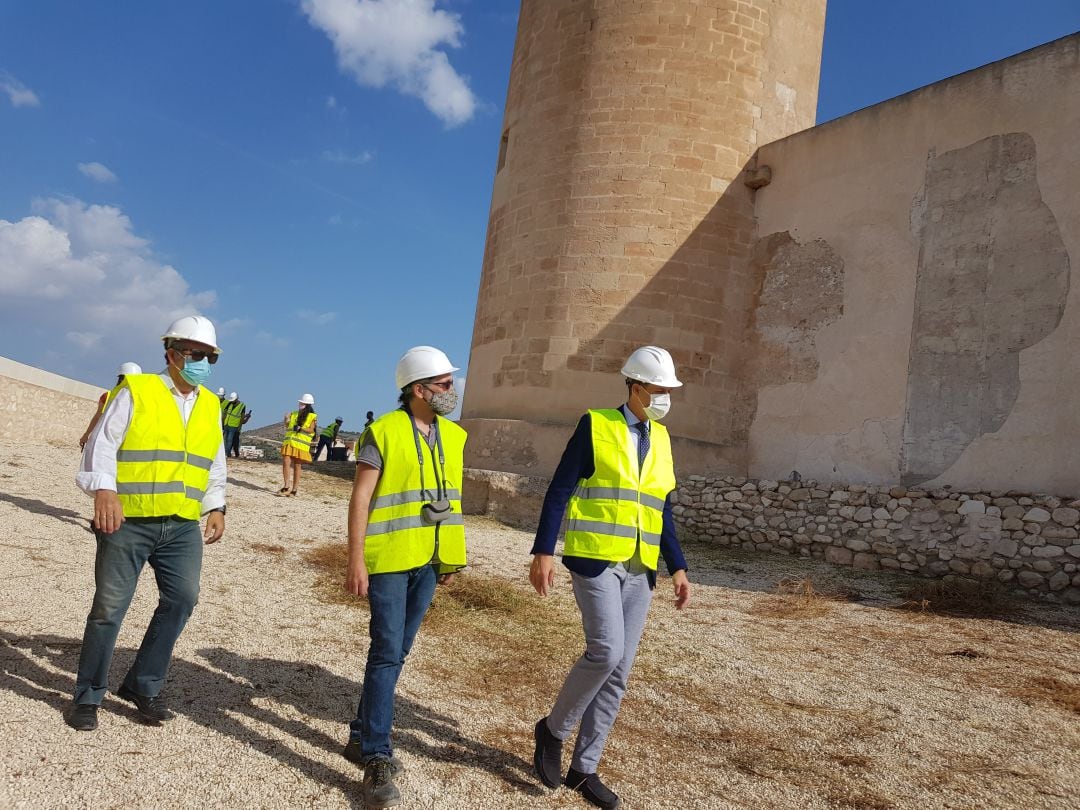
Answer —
615 481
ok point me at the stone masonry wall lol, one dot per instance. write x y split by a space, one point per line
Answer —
1028 542
37 406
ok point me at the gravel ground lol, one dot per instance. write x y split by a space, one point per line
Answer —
747 699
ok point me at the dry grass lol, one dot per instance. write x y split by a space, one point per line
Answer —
268 548
960 596
1051 690
800 599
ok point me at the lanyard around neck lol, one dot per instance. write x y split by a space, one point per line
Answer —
440 468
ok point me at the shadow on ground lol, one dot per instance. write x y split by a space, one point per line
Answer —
231 689
37 507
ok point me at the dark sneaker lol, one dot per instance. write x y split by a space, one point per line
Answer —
352 753
150 709
547 758
379 787
82 716
595 792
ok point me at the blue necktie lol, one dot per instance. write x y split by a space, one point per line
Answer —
643 443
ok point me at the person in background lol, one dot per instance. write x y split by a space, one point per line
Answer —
300 426
221 397
406 532
154 464
327 437
235 449
370 417
616 477
103 400
232 417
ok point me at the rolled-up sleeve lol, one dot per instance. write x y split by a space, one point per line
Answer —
215 488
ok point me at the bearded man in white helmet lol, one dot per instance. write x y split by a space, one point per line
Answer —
406 533
154 465
616 477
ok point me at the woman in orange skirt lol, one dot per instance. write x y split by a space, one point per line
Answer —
300 427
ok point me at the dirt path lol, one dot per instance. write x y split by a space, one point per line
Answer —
748 699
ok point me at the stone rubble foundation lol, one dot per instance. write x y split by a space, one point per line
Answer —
1030 543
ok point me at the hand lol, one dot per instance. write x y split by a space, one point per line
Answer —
215 527
682 588
542 573
108 511
82 441
446 579
356 580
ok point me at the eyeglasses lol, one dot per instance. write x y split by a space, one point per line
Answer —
442 386
198 355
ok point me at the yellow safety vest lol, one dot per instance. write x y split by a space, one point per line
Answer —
233 414
108 397
617 505
398 539
163 466
294 438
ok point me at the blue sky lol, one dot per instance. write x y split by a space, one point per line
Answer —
319 188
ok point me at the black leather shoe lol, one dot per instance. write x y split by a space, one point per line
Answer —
595 792
82 716
547 758
352 753
150 709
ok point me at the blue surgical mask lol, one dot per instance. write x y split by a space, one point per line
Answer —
196 372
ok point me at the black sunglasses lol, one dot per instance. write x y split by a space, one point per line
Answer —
198 355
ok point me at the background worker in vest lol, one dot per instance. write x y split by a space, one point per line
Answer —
155 464
327 437
124 370
232 417
406 533
617 477
221 398
300 426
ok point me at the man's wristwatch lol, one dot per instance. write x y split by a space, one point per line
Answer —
216 509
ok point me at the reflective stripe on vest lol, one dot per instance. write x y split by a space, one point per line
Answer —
618 505
397 538
163 466
297 439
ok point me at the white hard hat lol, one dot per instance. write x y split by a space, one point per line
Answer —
232 397
652 365
421 363
129 368
221 392
307 399
193 327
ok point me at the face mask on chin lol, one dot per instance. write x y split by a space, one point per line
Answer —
658 407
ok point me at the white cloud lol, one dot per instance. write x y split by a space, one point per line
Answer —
81 272
316 318
331 102
18 93
395 42
345 159
271 340
97 171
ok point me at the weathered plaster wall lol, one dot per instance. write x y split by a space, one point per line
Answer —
38 406
947 223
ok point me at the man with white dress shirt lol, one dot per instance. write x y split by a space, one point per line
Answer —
155 464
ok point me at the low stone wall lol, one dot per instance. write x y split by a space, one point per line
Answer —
38 406
1028 542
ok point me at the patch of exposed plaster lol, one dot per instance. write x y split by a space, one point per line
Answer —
800 291
992 279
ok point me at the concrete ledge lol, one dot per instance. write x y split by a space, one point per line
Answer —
46 379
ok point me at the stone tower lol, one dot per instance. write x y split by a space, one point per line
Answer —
621 214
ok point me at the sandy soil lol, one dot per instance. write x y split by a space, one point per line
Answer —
747 699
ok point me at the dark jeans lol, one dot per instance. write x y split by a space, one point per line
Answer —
328 443
174 549
232 441
398 603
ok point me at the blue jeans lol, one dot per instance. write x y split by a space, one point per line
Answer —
232 436
398 603
174 549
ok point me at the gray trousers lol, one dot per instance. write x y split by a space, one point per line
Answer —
613 608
